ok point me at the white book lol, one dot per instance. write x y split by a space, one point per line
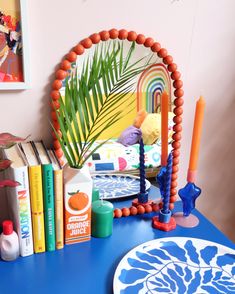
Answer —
19 199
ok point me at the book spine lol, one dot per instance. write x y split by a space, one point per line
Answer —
36 196
49 211
19 202
59 208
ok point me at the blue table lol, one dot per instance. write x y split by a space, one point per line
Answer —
89 267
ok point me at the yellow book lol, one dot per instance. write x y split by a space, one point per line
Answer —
36 196
59 204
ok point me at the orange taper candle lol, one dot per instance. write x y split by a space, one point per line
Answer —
164 127
196 138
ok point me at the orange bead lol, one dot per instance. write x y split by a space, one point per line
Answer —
95 38
79 49
133 210
176 153
59 152
176 75
58 133
178 101
168 59
178 110
176 137
123 34
178 84
113 33
173 190
104 35
57 84
56 125
177 128
149 42
175 169
125 211
156 47
176 145
118 212
56 144
65 65
86 43
160 205
55 95
177 119
71 56
61 74
53 115
155 207
148 208
131 36
141 209
172 67
55 104
173 199
171 206
179 93
162 53
140 39
174 184
175 162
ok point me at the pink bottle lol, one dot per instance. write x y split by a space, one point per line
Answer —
9 242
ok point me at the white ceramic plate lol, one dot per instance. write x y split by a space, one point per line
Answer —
112 186
176 265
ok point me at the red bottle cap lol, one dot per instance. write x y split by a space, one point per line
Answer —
7 226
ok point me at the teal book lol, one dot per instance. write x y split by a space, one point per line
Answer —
48 194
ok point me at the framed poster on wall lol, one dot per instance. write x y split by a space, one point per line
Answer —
14 55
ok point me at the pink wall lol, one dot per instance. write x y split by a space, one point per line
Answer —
199 34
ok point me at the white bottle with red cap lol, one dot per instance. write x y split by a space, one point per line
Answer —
9 242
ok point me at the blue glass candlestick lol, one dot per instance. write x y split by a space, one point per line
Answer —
167 185
143 195
160 179
188 195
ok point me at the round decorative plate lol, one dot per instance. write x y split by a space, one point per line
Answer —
176 265
112 186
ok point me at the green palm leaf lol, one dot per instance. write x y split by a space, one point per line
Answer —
91 103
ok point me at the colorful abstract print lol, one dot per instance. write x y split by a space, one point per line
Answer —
177 265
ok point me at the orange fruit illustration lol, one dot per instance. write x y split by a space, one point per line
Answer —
78 200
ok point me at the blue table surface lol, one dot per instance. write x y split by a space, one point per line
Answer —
89 267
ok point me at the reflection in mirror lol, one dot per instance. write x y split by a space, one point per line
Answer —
144 77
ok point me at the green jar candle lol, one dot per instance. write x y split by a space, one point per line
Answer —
101 219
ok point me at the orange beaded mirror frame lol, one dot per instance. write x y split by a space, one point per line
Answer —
168 66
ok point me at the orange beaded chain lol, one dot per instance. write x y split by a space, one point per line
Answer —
155 47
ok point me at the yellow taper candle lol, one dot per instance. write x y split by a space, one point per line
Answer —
196 138
164 127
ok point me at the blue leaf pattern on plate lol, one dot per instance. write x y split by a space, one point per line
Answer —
138 264
130 276
147 257
174 250
195 282
132 289
191 251
226 259
207 276
177 265
208 253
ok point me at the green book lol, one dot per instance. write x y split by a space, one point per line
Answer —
48 193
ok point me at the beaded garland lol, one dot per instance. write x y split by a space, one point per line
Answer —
155 47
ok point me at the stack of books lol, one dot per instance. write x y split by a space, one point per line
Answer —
36 204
